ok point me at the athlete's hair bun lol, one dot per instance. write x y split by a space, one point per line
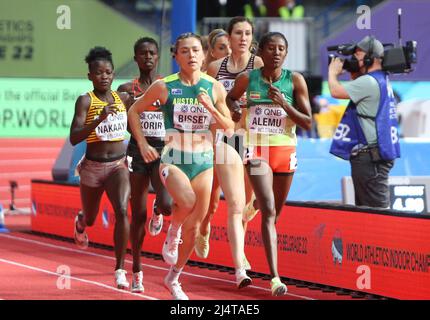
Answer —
98 53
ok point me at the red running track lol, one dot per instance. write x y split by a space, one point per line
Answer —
32 268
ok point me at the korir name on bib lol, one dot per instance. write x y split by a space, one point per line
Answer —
267 119
152 123
113 127
190 117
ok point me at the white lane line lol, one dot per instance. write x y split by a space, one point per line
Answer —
147 265
75 278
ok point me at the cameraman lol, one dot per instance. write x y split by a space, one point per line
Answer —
367 134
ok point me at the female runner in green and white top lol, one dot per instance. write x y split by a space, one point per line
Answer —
277 101
191 102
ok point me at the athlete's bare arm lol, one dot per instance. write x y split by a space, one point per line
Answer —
301 113
232 99
258 62
126 98
157 91
213 67
126 87
219 110
78 130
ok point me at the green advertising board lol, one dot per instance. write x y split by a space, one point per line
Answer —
40 107
50 38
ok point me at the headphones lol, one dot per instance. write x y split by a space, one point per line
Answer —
369 58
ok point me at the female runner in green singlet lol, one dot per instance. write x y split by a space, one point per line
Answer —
277 100
191 102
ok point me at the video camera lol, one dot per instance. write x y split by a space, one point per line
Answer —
400 59
396 59
346 49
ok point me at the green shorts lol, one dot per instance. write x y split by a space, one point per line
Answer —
191 163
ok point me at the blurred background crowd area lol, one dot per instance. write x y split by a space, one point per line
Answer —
32 47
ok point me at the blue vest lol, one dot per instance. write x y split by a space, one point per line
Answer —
349 134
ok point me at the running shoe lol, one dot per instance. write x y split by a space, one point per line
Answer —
156 222
249 212
242 279
202 244
175 289
278 288
170 246
136 284
81 238
120 279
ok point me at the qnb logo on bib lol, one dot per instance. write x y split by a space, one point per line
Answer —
152 124
191 117
113 127
228 84
394 135
342 132
267 119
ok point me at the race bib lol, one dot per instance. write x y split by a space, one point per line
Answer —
188 117
267 119
113 127
152 124
228 85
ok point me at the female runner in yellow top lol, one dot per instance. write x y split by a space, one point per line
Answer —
101 119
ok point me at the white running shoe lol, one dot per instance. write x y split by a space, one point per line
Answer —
202 244
156 222
175 289
81 238
120 279
170 246
242 279
136 284
277 287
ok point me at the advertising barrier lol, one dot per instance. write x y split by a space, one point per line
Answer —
371 251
